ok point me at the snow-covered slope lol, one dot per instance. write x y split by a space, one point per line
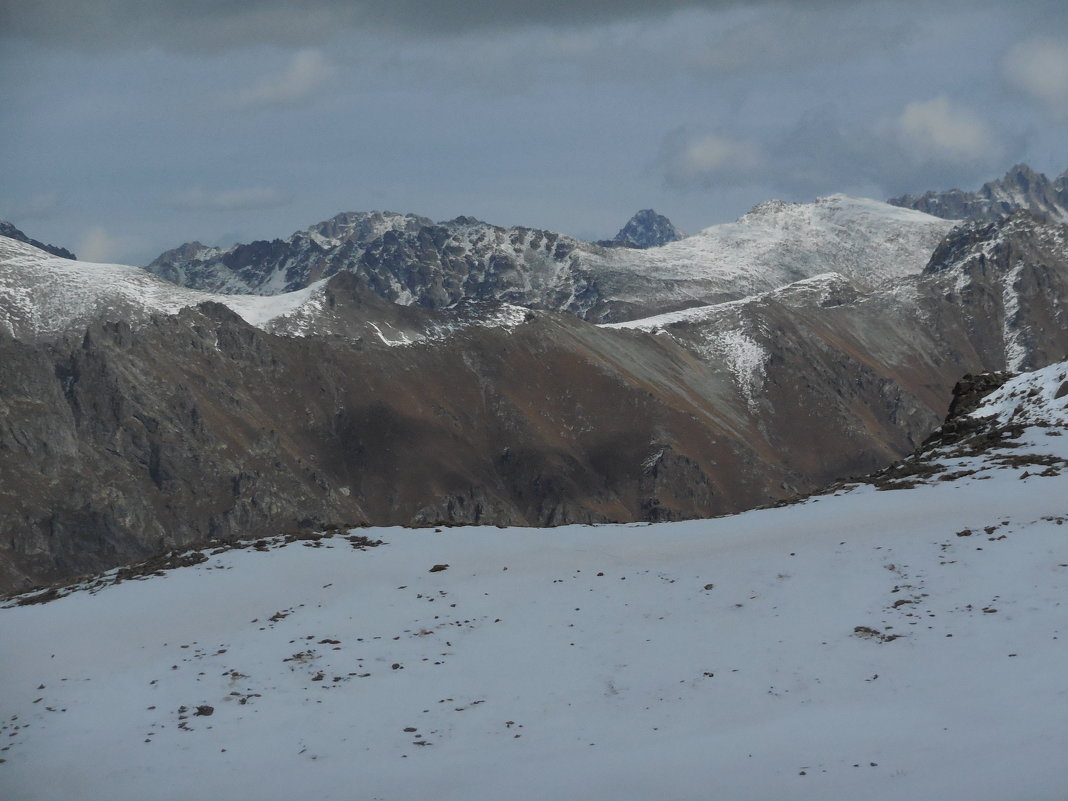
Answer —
410 260
991 298
865 644
44 296
778 243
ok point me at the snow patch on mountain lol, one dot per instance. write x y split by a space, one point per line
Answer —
1015 352
1038 398
746 360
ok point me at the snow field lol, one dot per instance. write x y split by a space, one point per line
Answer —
638 683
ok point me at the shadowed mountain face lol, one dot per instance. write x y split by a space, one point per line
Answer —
124 439
198 426
1021 189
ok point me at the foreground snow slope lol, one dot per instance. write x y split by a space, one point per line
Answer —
871 644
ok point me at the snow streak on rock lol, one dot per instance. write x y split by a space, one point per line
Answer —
746 360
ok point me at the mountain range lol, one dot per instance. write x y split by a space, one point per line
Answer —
1021 188
383 369
412 261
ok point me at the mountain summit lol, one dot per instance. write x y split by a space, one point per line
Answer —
1021 188
646 229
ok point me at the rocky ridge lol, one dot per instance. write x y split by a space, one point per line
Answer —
10 231
1020 189
411 261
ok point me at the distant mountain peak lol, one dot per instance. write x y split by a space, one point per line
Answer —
646 229
1021 188
10 231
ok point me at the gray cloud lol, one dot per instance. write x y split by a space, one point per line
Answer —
255 197
940 128
39 206
300 82
928 143
691 159
100 245
218 24
1039 66
545 114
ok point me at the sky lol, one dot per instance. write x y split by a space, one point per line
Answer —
132 126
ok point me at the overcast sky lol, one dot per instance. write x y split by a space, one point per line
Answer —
131 126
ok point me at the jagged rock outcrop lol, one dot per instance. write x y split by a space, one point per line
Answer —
1009 281
1021 189
646 229
9 230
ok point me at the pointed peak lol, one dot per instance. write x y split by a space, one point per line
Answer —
646 229
1022 169
1021 175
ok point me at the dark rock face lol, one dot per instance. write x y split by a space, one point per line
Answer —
968 395
1021 189
124 444
404 258
1010 281
646 229
9 230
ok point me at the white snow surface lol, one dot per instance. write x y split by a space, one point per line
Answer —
745 358
778 243
1031 399
696 660
47 296
814 291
